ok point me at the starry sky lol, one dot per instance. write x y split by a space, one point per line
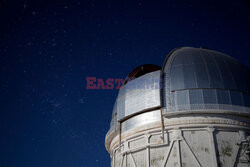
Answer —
48 48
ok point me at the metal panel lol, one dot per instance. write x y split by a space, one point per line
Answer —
214 74
189 77
141 119
177 82
139 94
205 99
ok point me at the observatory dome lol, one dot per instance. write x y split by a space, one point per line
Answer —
190 80
192 111
203 79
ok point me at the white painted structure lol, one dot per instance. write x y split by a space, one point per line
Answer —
192 112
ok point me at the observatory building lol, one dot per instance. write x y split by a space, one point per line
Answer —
194 111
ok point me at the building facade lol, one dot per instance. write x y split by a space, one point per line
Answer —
192 111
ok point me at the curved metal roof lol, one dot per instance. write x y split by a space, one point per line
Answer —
203 68
200 79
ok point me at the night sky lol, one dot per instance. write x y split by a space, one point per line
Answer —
47 49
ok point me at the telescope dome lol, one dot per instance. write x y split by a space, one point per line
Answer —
192 111
203 79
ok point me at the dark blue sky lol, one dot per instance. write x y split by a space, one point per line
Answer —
47 49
